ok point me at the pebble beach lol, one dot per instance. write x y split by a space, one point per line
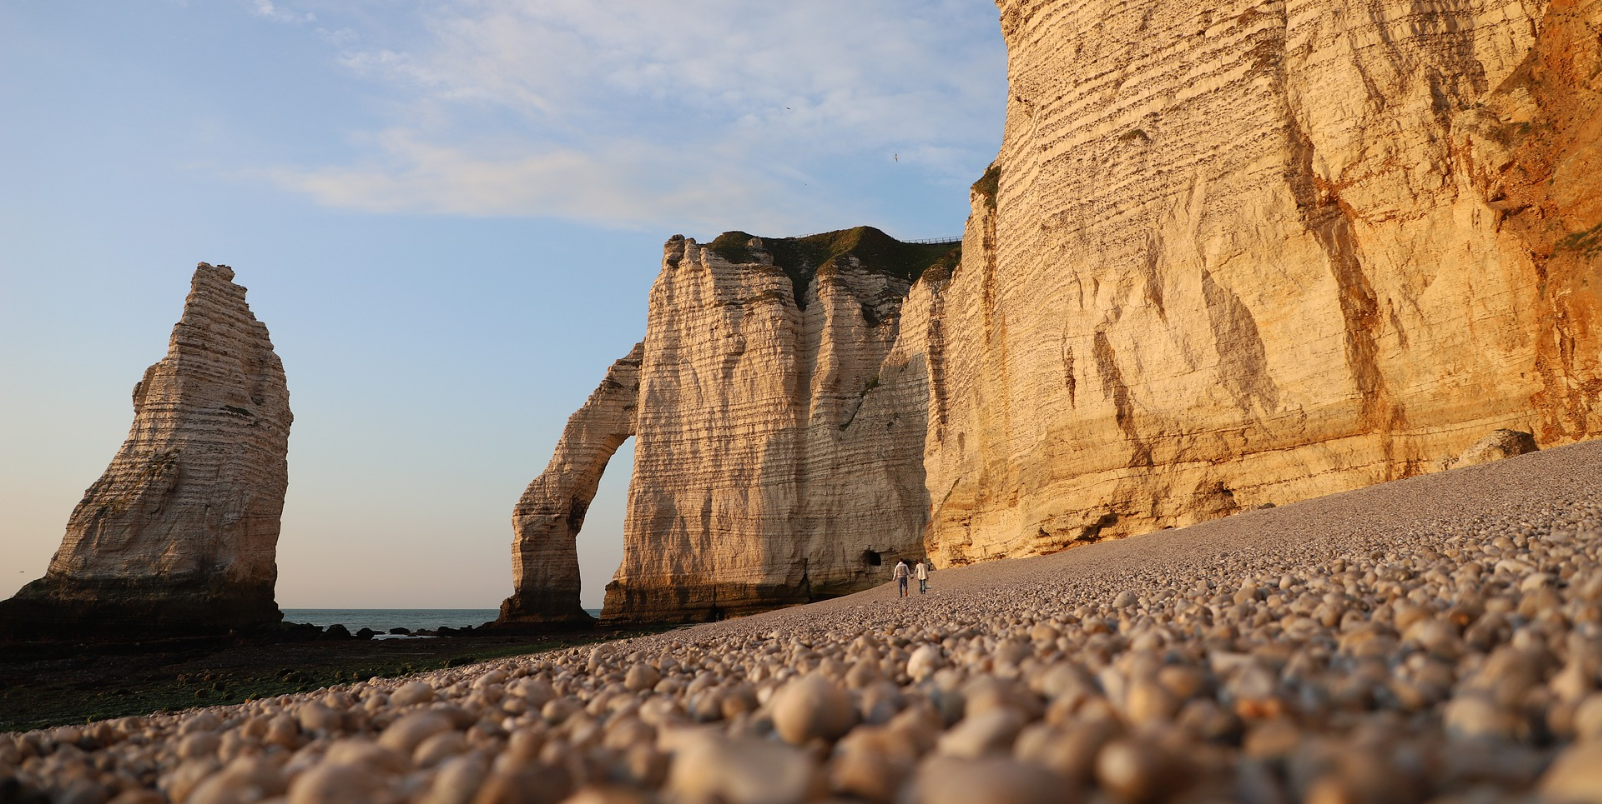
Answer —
1431 639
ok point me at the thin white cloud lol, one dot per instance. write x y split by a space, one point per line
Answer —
340 37
645 112
267 9
631 186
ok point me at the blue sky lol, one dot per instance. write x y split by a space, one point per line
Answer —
448 214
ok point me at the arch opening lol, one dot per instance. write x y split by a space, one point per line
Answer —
600 543
547 520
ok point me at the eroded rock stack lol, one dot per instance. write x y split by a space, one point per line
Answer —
179 534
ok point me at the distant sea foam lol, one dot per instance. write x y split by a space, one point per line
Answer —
382 620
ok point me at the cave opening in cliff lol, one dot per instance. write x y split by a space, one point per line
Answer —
871 558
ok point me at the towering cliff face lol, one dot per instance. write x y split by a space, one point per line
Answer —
764 473
779 422
1228 256
1259 252
179 533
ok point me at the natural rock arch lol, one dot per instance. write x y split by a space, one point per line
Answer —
545 560
779 429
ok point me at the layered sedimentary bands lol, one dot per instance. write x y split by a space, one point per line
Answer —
777 404
1254 253
1227 257
179 533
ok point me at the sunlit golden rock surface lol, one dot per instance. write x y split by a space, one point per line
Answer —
1257 252
1229 256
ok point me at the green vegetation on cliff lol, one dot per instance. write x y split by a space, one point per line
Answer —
802 258
986 185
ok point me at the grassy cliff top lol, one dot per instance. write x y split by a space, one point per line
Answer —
804 257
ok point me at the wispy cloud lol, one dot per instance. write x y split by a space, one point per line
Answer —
629 184
645 112
266 8
339 37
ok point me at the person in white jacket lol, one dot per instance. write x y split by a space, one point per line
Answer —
921 571
900 572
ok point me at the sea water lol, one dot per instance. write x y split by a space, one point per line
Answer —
382 620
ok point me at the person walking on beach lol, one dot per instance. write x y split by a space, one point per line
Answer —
922 572
900 572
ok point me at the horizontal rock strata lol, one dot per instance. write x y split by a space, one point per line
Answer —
179 534
779 441
1227 257
779 422
1254 253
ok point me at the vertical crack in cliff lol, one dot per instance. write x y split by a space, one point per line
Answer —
1331 220
1068 357
1152 285
993 322
1115 390
1244 371
1379 414
936 362
1328 219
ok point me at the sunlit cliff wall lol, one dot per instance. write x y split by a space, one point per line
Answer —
1256 252
1229 255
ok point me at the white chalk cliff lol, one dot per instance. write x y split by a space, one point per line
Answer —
1228 256
1259 252
779 425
